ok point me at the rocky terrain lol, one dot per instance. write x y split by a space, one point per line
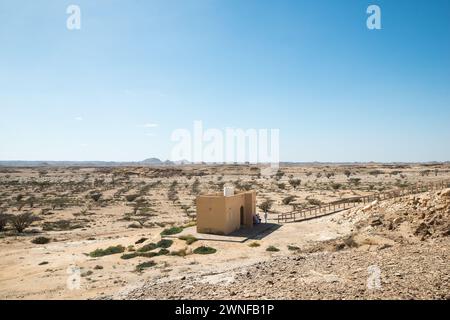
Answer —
419 271
403 244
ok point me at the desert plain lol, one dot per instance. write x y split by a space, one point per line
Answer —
74 232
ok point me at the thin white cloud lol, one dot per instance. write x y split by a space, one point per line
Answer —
84 145
150 125
150 135
79 118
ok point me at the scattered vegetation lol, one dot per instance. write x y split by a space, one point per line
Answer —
4 219
22 221
288 200
295 183
205 250
272 249
145 265
106 252
164 243
266 206
40 240
171 231
190 239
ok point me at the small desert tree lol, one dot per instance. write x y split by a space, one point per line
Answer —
288 200
22 221
266 206
295 183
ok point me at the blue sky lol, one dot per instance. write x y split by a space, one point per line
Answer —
137 70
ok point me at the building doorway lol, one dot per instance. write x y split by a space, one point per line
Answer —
242 216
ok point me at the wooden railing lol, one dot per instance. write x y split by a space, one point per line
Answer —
344 204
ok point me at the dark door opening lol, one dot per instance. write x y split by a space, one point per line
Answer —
242 216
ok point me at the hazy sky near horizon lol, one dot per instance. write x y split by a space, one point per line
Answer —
137 70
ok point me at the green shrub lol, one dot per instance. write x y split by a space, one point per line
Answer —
148 247
163 252
190 239
272 249
171 231
128 256
106 252
141 240
293 248
205 250
40 240
164 243
147 254
142 266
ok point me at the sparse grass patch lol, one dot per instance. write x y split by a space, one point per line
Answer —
142 266
148 247
40 240
128 256
205 250
171 231
61 225
293 248
254 245
164 243
190 239
163 252
190 224
141 240
106 252
272 249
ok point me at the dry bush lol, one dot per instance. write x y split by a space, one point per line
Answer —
295 183
4 219
314 202
288 200
95 196
22 221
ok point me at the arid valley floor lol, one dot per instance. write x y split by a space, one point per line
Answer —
96 234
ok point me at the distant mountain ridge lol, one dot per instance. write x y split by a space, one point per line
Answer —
146 162
154 162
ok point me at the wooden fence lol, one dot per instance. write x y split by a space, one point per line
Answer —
344 204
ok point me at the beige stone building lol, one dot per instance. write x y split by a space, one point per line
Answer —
224 213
